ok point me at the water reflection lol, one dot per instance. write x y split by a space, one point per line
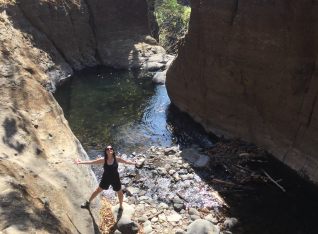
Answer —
124 109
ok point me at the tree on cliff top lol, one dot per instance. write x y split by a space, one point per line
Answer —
173 19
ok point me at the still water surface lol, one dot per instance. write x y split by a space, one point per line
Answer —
126 110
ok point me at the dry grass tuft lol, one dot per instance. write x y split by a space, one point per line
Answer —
107 222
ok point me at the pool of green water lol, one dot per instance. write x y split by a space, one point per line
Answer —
126 110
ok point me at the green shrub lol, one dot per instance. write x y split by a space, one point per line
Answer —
173 19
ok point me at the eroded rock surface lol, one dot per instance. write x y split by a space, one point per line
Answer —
246 69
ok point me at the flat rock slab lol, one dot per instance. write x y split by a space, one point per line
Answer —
127 212
174 218
201 226
132 190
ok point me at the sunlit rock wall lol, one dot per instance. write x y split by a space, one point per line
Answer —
249 69
41 44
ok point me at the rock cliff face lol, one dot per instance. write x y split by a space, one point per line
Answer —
40 187
249 69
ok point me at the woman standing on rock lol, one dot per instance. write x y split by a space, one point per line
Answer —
110 175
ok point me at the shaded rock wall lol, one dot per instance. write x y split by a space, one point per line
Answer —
40 46
249 69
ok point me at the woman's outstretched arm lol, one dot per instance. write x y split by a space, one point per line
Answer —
120 160
96 161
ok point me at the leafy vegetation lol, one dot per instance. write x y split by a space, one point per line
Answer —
173 19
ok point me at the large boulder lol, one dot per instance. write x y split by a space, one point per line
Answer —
127 226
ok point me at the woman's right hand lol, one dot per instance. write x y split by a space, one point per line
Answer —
77 161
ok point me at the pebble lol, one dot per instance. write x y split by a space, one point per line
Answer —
131 200
140 209
211 219
171 172
132 190
154 219
194 217
174 218
147 227
183 171
179 231
143 198
142 219
185 165
161 171
142 193
193 211
167 166
230 224
162 216
162 206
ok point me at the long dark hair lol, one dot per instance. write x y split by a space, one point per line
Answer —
105 154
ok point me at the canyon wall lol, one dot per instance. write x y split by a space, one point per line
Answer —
248 69
41 44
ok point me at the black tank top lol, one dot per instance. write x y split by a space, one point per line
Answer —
111 171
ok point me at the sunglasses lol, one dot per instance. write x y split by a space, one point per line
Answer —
109 148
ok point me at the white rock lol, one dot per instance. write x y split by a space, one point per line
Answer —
162 216
161 170
211 219
174 218
162 206
154 219
132 190
171 172
143 198
128 211
201 226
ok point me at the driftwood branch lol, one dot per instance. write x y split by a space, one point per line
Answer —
150 217
273 181
216 195
179 195
215 181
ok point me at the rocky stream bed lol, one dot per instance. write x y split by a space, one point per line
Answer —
171 193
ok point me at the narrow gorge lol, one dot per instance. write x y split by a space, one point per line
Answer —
245 70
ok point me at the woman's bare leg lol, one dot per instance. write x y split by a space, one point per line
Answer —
95 193
120 198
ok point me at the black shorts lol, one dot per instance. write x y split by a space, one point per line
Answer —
105 185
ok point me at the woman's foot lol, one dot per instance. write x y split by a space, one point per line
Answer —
85 205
